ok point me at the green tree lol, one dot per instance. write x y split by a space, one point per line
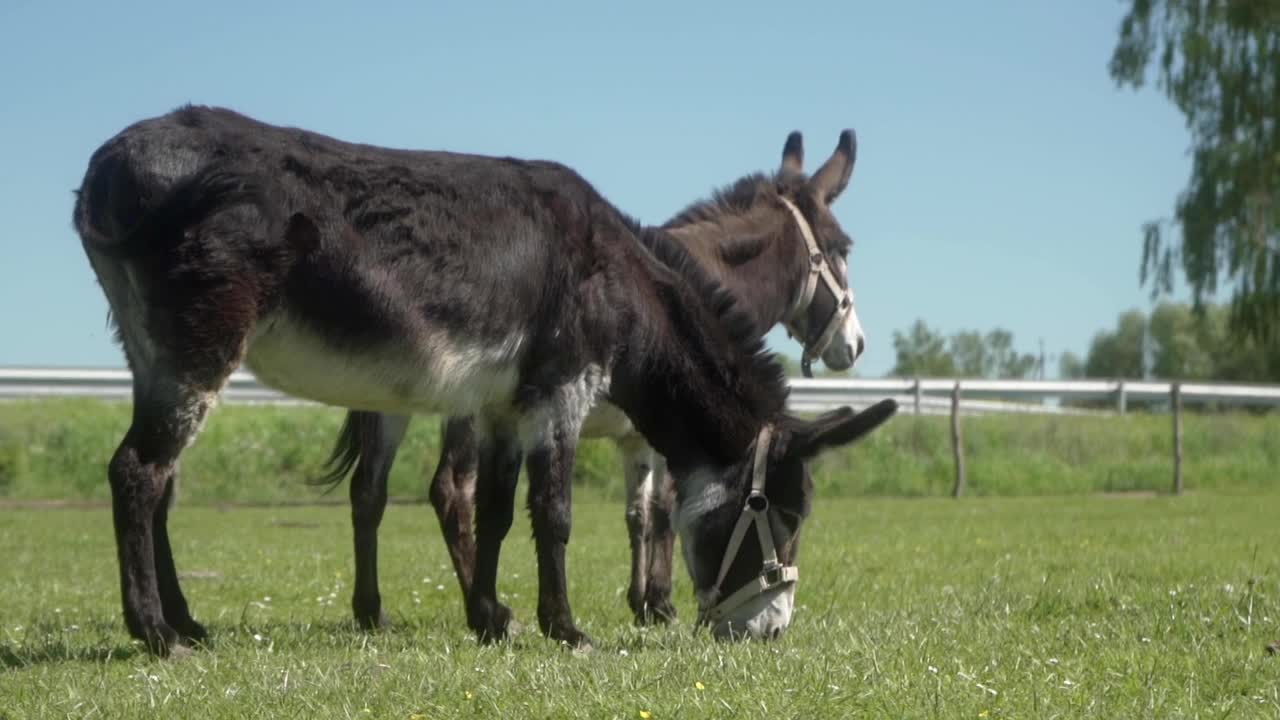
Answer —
1003 361
1118 353
969 354
921 352
924 352
1183 344
1219 62
1070 366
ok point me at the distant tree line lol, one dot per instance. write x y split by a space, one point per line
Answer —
1172 342
1175 342
924 352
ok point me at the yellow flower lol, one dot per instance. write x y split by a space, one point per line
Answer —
983 714
468 694
699 685
645 715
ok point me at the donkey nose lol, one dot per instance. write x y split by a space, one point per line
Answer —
861 346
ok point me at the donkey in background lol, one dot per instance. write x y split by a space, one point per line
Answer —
778 265
404 282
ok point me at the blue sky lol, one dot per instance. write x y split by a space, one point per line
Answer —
1002 179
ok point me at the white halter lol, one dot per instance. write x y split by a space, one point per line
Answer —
773 574
818 269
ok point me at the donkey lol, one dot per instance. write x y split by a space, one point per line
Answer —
404 282
752 241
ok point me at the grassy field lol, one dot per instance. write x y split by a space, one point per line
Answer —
59 449
1088 606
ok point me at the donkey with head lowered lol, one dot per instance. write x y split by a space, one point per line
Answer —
780 266
407 282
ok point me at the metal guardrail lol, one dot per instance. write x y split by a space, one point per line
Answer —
930 396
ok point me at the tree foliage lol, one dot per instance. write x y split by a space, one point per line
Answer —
924 352
1218 61
1177 343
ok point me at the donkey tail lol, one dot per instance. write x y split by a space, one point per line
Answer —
359 430
189 201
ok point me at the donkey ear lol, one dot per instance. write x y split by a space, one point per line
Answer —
793 154
830 179
838 427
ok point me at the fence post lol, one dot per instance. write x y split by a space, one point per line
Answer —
1122 398
956 446
918 392
1175 399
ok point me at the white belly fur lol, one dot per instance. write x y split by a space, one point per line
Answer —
428 372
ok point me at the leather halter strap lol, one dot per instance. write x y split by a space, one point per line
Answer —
819 269
773 574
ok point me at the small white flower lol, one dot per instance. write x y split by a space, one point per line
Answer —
933 670
257 637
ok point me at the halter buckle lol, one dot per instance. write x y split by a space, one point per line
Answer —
773 576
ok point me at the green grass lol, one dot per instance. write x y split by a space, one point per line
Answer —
59 449
1100 607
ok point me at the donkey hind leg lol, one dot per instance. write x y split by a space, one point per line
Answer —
380 438
172 602
453 489
661 543
167 414
495 494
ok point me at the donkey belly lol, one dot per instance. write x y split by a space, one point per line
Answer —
423 371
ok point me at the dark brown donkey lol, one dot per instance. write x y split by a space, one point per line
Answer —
757 246
410 282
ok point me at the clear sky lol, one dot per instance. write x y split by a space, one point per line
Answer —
1002 179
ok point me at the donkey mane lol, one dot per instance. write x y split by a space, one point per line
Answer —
749 370
741 195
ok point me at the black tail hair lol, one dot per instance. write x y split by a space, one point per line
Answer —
192 199
359 430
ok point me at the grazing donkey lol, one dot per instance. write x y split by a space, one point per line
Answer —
407 282
781 268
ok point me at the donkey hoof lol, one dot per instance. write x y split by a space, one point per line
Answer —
493 623
575 640
375 621
368 613
162 641
658 610
191 632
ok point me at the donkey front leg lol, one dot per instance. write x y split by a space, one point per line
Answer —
380 437
453 489
167 414
550 467
495 497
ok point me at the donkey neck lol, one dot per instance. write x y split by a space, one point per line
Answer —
692 375
758 256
